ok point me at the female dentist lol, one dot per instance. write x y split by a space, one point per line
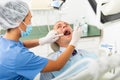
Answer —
16 61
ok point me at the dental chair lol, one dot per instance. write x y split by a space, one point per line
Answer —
80 68
92 69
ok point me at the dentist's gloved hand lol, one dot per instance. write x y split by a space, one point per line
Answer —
51 37
77 33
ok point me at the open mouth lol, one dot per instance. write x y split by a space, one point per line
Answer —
66 33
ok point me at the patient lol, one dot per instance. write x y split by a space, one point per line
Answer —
60 45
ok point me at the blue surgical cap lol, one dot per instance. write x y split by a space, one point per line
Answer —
12 13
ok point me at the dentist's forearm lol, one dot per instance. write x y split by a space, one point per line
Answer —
65 56
31 43
56 65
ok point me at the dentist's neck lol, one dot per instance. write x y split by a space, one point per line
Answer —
12 34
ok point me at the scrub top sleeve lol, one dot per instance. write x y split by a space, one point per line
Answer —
29 65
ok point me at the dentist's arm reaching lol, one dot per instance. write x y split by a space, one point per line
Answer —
52 36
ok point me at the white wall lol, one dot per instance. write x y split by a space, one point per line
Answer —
44 17
70 11
111 34
76 9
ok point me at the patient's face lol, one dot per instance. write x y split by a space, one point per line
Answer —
63 28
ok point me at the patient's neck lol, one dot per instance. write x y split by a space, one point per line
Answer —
63 43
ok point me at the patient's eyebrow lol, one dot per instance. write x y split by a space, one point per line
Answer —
59 26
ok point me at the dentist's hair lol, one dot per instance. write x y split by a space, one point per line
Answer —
12 13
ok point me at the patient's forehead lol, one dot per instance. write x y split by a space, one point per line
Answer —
60 23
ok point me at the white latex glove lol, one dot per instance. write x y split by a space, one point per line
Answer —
76 36
51 37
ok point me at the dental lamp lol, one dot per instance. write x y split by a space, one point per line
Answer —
56 4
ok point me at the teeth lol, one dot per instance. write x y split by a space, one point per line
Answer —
60 34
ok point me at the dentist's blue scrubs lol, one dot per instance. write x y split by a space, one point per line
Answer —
17 62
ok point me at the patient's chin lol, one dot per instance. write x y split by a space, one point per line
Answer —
68 38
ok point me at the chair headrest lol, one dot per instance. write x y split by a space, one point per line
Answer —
55 47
